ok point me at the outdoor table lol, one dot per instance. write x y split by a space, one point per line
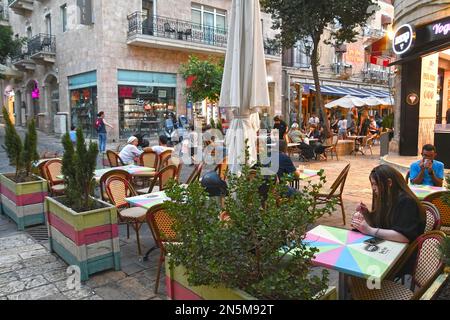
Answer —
305 174
37 163
422 191
345 251
312 140
131 169
357 144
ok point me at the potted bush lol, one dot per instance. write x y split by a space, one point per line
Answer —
239 256
22 192
83 230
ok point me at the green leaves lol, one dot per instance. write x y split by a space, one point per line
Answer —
244 252
207 78
78 169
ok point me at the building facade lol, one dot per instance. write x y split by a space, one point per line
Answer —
121 57
359 68
422 82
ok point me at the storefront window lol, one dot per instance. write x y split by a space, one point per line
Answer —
83 108
143 109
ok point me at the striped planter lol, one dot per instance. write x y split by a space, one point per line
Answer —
23 202
178 288
88 239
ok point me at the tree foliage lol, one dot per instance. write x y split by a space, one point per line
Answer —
259 249
207 78
21 155
8 45
78 166
308 19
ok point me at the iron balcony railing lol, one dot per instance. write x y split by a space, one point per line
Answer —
170 28
342 68
373 75
3 12
163 27
42 43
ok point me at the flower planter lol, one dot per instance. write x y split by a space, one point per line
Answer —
23 202
177 288
88 239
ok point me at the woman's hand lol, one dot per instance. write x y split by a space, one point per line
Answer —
362 208
361 225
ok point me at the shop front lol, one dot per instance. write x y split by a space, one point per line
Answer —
83 102
146 100
425 87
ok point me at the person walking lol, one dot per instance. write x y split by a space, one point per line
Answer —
100 126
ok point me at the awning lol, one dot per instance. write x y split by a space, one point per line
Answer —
357 92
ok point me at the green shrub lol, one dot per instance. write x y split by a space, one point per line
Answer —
78 166
245 252
21 155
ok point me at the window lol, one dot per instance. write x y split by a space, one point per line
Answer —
206 16
64 17
29 33
48 24
302 57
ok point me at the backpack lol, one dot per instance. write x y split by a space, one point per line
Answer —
98 124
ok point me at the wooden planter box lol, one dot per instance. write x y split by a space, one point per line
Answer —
23 202
177 288
88 239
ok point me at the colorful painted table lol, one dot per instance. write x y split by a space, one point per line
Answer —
131 169
345 251
305 175
421 191
147 201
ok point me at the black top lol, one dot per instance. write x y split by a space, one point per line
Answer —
281 128
101 128
286 166
447 116
407 219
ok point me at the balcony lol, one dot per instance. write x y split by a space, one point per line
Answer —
372 33
173 34
4 16
342 70
376 76
22 7
22 60
42 49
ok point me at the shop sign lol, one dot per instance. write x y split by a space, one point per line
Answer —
439 30
412 99
403 39
125 92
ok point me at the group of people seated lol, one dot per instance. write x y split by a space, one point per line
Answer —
130 153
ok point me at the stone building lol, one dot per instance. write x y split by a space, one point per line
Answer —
422 83
122 57
359 68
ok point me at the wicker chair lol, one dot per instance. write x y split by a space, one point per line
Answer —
114 159
433 221
368 142
222 169
438 199
160 180
176 161
161 225
118 189
196 173
335 191
52 169
291 146
112 173
164 159
332 147
428 266
149 158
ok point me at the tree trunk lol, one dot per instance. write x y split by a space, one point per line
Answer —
315 63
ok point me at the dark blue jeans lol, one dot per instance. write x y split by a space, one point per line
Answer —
102 141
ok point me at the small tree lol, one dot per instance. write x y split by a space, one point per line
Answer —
207 78
78 166
245 251
307 20
8 45
21 155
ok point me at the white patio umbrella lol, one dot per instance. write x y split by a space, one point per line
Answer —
346 102
373 101
244 82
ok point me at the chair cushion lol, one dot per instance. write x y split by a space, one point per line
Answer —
135 213
389 290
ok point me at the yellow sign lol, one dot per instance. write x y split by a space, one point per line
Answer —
428 86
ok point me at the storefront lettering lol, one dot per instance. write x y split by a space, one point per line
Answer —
403 39
441 29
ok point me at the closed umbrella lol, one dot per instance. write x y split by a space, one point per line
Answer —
346 102
244 82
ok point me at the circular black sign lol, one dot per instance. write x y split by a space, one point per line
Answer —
412 99
403 39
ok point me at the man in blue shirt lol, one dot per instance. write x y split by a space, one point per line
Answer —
427 171
286 166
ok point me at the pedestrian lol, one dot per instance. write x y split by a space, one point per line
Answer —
281 126
314 119
100 126
130 152
73 134
342 127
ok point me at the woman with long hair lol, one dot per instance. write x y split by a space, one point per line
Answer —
397 214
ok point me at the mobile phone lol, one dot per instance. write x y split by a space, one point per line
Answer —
374 241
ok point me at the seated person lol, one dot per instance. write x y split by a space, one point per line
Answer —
373 128
286 166
427 171
297 136
130 151
162 145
